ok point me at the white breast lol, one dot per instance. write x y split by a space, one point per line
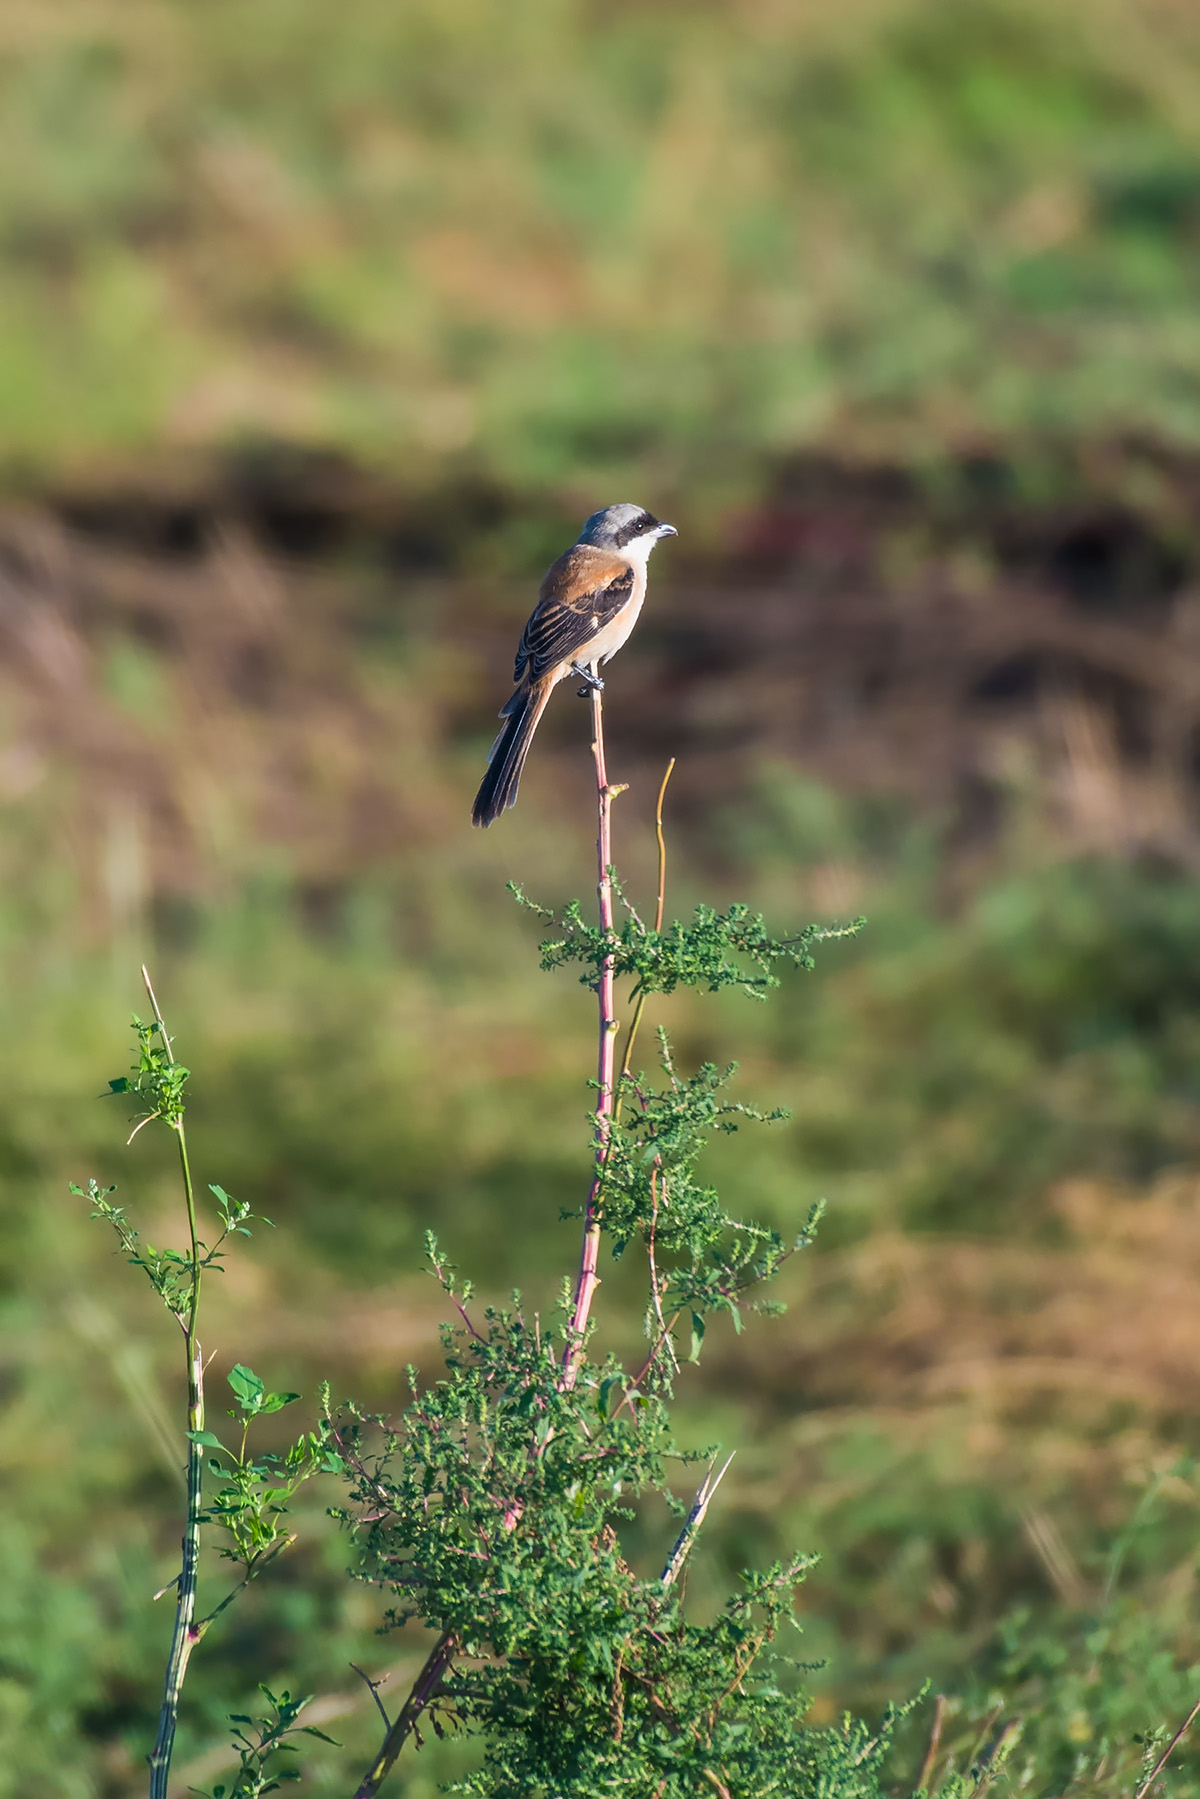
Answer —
609 640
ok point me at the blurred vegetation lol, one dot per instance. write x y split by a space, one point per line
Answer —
648 245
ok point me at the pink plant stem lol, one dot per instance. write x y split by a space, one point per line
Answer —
588 1279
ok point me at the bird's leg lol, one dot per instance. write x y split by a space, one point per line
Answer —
591 680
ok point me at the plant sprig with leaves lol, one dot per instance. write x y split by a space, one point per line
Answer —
252 1503
259 1742
713 951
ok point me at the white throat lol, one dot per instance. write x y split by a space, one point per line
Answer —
638 552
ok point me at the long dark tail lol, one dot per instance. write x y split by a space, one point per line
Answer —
498 789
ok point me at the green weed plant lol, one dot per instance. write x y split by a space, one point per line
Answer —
249 1495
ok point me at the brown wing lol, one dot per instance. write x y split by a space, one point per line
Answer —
582 592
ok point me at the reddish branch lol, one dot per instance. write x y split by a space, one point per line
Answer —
588 1279
424 1690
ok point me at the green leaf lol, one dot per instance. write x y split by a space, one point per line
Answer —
248 1389
697 1337
120 1085
275 1402
206 1437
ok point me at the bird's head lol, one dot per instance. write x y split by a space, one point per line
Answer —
625 527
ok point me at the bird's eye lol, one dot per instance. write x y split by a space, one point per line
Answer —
637 527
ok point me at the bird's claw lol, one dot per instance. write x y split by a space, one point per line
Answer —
591 682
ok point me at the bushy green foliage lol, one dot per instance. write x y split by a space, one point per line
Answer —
493 1508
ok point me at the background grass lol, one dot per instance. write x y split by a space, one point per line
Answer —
632 245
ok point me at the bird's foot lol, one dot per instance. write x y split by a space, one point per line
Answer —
591 680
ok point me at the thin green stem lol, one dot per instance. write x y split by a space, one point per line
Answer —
186 1633
197 1263
188 1190
252 1573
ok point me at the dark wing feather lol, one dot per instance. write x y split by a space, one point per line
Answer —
561 628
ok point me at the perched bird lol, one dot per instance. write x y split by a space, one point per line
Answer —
588 605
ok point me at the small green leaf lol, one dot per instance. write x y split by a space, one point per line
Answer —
120 1085
275 1402
206 1437
697 1337
248 1389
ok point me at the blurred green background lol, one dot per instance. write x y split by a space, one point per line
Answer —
320 330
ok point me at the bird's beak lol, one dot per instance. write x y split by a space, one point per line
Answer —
667 531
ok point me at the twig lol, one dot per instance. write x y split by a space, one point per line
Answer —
940 1708
662 847
186 1634
632 911
252 1573
646 1366
1163 1759
627 1062
988 1727
373 1687
693 1521
664 1335
999 1755
461 1309
588 1278
658 919
423 1690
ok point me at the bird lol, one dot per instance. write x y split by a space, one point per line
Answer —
588 604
